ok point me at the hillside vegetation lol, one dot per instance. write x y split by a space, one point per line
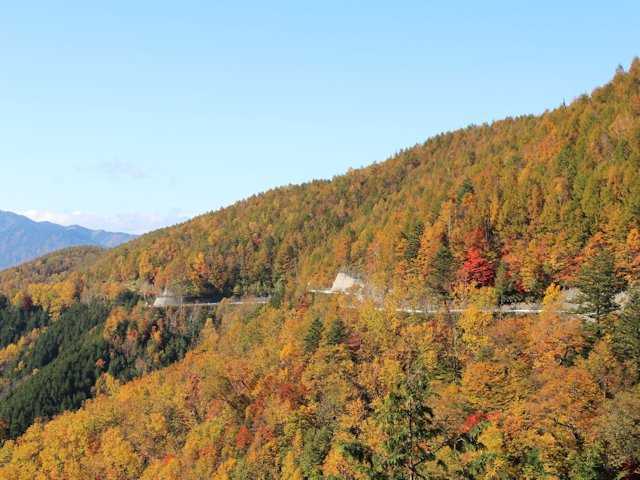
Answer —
313 387
526 194
49 268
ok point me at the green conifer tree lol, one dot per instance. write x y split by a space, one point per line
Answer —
407 425
626 334
599 283
313 337
337 332
441 276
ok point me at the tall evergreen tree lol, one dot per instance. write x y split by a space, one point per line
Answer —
407 425
504 284
626 334
337 332
412 236
314 335
599 283
441 276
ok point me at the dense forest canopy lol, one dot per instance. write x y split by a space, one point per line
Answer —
311 387
528 195
49 268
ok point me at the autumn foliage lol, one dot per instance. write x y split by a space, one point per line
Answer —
356 387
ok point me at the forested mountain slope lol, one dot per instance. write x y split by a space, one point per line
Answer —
527 194
313 387
49 268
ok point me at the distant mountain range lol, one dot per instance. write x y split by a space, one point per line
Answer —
22 239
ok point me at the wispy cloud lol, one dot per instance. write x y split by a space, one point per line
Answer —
115 170
132 222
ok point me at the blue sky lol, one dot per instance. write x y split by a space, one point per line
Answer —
133 115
